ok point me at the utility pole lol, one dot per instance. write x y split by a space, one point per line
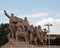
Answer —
48 25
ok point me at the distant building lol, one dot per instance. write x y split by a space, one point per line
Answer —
54 36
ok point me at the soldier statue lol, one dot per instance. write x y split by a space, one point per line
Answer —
12 20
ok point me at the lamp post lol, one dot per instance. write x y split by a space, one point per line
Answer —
48 25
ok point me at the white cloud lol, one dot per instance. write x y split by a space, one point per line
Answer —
55 29
35 15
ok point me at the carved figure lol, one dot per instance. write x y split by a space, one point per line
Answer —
26 26
45 36
20 30
20 27
31 33
12 20
39 34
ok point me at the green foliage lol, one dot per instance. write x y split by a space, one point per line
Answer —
3 33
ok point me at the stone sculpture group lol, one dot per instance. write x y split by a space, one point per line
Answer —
21 28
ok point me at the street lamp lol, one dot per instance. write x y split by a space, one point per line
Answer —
48 25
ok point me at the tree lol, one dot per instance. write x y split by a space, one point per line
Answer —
3 33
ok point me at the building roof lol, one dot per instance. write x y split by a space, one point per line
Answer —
55 35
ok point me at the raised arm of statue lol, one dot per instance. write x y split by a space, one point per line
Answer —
6 14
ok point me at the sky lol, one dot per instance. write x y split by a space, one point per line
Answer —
38 12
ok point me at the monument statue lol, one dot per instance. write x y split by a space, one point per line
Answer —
31 33
45 36
27 27
35 35
26 23
39 34
12 19
22 28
